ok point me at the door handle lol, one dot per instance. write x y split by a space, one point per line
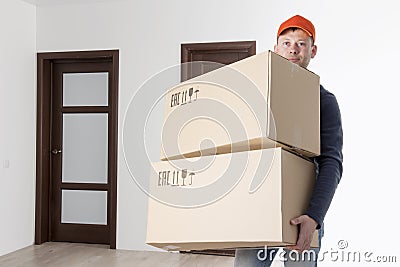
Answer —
56 151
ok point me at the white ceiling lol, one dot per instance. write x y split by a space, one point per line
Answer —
61 2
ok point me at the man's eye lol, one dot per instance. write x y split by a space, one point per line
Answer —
286 43
301 44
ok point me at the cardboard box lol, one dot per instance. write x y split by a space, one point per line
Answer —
262 101
243 199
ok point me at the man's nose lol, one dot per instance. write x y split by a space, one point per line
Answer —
294 49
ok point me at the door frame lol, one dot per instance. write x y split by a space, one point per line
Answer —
190 49
43 135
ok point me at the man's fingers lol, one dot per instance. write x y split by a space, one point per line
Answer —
300 245
293 248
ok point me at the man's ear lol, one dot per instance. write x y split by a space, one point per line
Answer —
313 51
275 49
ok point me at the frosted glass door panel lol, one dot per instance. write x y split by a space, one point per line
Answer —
85 148
86 207
85 89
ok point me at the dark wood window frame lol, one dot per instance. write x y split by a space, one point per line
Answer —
44 104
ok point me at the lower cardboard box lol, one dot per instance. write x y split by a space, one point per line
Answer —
235 200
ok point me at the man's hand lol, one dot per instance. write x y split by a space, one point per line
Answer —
307 228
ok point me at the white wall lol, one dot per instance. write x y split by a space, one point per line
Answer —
17 135
357 60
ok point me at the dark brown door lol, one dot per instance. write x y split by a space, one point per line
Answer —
81 144
208 53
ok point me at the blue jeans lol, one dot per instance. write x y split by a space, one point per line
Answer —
262 257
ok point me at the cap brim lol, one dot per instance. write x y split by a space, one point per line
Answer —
294 26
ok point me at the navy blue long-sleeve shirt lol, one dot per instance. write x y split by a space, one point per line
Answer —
329 163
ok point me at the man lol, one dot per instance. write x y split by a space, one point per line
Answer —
296 42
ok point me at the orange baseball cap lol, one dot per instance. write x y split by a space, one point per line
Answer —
298 22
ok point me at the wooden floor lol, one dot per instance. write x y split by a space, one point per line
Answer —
68 254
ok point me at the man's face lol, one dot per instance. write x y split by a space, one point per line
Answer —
296 46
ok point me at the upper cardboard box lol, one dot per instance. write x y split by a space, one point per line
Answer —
262 101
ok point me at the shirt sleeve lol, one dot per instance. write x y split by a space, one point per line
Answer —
329 163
